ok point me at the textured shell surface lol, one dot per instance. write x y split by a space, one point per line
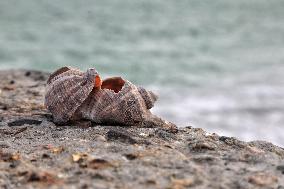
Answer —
106 106
66 92
73 95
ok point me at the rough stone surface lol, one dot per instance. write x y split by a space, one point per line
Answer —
34 152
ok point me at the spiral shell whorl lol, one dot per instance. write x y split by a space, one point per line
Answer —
149 97
66 92
90 74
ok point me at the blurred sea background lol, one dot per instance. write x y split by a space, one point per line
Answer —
218 65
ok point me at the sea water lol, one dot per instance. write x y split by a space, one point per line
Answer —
218 65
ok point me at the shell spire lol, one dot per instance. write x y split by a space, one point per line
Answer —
149 97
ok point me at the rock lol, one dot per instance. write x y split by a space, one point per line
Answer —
263 179
21 122
9 157
182 183
43 177
125 137
4 145
165 135
100 138
202 145
280 168
99 164
132 156
36 153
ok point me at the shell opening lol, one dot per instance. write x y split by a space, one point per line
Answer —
98 81
113 83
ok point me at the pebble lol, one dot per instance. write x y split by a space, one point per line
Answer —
182 183
262 179
280 168
124 137
203 145
100 138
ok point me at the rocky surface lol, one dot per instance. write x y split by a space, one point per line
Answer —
36 153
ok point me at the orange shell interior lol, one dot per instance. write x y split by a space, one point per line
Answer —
113 83
98 81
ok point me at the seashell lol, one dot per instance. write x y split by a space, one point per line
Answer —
67 89
73 95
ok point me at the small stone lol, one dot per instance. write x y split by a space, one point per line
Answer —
8 88
33 160
151 182
57 150
131 156
188 127
41 177
224 138
203 145
99 164
280 168
262 179
9 157
143 134
165 135
79 157
4 144
45 156
182 183
124 137
255 150
15 157
100 138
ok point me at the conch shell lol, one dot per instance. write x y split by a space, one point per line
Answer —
74 95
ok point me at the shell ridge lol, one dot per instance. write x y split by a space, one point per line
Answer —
65 74
128 113
121 95
106 102
101 105
66 93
